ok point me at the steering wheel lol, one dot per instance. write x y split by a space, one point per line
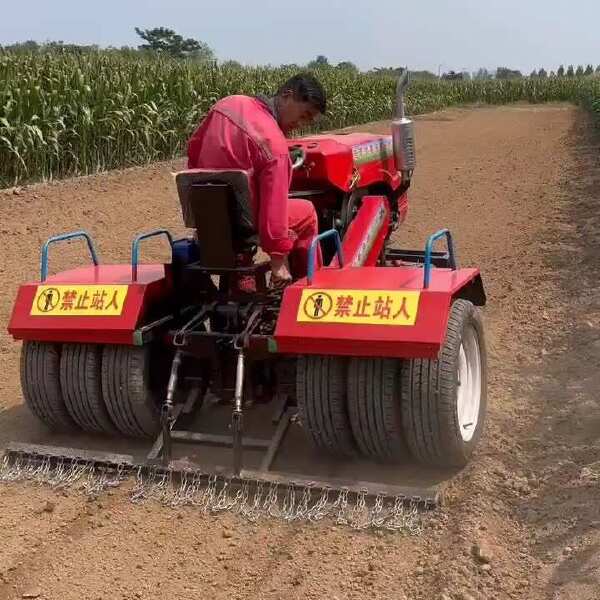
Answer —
298 156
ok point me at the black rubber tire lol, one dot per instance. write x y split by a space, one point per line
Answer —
429 396
321 395
40 382
129 397
81 383
374 408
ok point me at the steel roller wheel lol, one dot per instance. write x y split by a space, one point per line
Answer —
321 395
40 382
444 401
80 379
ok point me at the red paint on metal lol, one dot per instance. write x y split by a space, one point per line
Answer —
422 340
329 161
402 208
366 234
153 285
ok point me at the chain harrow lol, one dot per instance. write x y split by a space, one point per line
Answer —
60 473
251 499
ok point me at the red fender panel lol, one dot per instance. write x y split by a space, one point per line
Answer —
93 304
369 311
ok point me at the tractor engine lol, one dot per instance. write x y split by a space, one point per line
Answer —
335 171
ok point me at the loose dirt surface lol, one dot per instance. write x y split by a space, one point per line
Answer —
518 186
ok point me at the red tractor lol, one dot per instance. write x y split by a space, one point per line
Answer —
378 354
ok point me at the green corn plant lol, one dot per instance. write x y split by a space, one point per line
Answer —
67 114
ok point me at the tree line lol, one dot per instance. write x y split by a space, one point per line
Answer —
165 41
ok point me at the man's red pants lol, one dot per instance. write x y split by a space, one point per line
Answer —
304 226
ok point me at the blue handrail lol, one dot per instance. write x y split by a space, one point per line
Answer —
62 238
135 248
313 249
429 250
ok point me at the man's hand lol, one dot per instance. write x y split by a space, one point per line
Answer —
280 272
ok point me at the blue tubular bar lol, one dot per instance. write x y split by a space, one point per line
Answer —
313 249
135 248
61 238
429 250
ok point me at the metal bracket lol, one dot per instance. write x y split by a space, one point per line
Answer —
427 263
135 248
312 251
61 238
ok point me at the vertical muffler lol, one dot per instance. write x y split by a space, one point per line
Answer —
403 132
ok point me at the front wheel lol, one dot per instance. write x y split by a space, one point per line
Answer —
444 401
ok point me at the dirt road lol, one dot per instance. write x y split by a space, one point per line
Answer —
518 186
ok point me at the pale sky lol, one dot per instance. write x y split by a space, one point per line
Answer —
458 35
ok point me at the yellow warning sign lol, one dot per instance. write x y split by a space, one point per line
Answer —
367 307
79 300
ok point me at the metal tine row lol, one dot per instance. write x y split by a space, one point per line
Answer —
252 499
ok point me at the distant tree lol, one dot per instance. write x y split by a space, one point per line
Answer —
589 70
422 75
27 46
62 47
453 76
58 46
231 64
397 71
482 74
320 61
533 74
386 71
579 72
570 71
504 73
552 74
598 69
542 74
126 51
346 65
560 72
166 41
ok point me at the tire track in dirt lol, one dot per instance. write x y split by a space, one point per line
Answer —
503 180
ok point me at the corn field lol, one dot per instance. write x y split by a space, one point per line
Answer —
73 114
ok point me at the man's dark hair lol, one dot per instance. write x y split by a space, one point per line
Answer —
306 88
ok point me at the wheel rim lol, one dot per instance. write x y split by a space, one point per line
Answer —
468 402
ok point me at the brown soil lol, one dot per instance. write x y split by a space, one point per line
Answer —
517 186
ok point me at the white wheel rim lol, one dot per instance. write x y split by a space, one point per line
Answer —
468 397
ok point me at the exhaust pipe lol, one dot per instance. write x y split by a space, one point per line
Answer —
403 132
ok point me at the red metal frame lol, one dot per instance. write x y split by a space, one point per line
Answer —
344 162
421 340
366 234
362 246
153 285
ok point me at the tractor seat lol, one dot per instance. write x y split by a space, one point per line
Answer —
217 204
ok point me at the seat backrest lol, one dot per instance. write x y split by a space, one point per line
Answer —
216 203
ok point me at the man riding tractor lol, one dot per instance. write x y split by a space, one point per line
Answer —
249 134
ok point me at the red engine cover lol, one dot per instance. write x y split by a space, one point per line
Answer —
335 160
